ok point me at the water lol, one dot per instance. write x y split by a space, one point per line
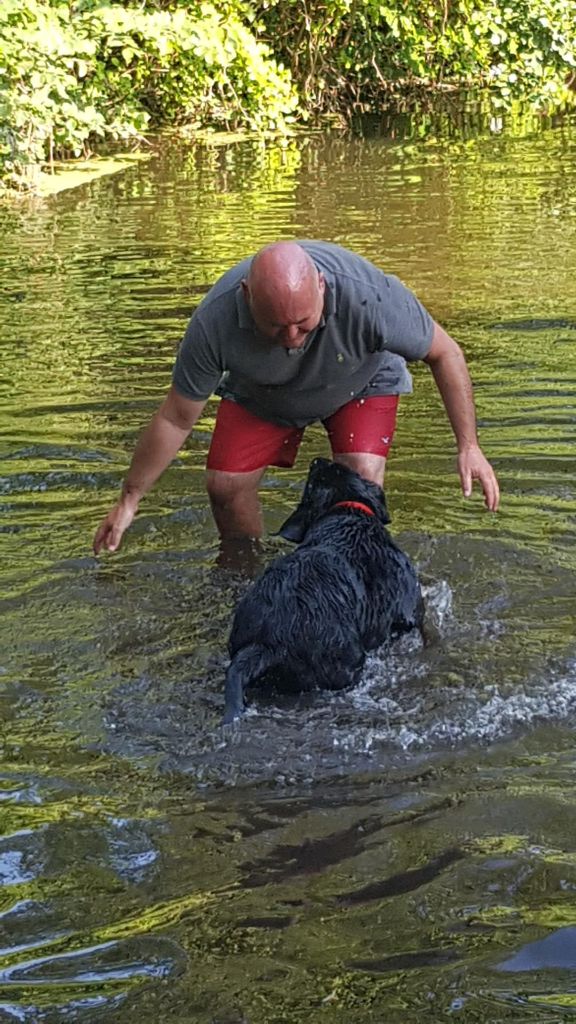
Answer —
403 848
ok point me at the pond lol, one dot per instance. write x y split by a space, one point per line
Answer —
403 848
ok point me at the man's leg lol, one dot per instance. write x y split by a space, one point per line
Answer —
361 433
242 448
369 466
235 503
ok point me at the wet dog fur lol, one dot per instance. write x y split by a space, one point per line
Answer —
309 621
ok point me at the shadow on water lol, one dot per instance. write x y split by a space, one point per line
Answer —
400 849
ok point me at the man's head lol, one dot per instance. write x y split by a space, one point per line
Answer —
285 294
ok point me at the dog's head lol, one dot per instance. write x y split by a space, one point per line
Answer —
327 484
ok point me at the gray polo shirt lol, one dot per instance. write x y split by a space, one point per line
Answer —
370 325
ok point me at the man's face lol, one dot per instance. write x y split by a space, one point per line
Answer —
287 319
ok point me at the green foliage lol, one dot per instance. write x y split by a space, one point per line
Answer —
41 102
356 53
72 75
185 67
528 48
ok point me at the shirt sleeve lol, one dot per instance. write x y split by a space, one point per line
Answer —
197 369
408 326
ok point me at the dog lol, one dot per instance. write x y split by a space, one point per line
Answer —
309 621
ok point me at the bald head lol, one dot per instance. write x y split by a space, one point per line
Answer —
283 265
285 293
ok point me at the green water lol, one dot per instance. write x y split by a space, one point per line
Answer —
404 849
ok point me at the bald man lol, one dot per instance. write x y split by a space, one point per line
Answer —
302 332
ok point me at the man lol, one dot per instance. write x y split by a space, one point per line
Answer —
302 332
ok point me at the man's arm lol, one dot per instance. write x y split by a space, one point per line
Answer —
448 365
158 445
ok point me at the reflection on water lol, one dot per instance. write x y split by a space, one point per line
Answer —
402 848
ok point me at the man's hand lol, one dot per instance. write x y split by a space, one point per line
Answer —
473 465
111 530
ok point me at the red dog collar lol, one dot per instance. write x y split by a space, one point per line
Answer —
354 504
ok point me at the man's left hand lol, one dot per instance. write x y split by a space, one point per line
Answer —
473 465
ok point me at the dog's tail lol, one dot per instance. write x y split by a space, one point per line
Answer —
246 666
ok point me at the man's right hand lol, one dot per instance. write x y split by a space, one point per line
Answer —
111 530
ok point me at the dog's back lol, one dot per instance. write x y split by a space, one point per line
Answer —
310 619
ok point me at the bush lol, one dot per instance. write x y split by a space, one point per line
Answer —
359 53
75 75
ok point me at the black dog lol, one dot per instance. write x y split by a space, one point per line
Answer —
311 618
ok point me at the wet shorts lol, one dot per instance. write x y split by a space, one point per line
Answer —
242 442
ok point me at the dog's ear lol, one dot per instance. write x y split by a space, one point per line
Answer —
376 499
382 513
295 527
310 504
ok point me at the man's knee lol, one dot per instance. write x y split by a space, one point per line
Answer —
225 489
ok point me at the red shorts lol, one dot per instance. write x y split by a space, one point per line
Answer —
242 442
